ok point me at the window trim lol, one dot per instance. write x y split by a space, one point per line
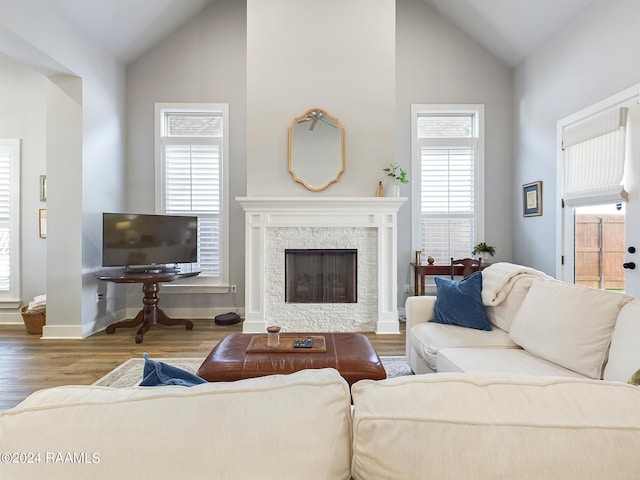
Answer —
199 284
478 111
12 299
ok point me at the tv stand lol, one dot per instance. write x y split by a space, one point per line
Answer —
150 314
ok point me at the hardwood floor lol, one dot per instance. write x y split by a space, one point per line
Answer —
28 363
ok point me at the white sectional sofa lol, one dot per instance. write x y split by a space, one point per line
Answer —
303 426
540 326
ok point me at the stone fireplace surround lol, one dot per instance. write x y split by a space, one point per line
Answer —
322 317
295 222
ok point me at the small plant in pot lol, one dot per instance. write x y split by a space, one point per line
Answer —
398 175
484 250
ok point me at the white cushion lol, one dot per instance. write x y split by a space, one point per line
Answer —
567 324
269 427
502 314
481 426
624 353
499 360
428 338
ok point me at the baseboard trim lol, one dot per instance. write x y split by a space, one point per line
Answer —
57 332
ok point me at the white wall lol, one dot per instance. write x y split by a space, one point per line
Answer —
203 61
83 182
64 206
352 72
594 57
22 115
437 63
337 55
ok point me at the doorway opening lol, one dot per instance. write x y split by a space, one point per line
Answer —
599 246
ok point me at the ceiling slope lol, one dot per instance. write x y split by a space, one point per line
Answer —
128 28
510 29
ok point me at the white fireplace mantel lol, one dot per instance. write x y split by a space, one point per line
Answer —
264 213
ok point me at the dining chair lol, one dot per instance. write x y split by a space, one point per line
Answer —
470 265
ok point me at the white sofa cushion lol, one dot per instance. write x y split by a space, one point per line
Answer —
428 338
480 426
570 325
624 353
505 360
275 427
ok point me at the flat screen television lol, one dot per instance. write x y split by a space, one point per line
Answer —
141 241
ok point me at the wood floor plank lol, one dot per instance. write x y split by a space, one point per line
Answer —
28 363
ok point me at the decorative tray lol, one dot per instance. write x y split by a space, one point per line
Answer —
258 344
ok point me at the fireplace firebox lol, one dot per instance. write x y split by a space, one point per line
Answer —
321 275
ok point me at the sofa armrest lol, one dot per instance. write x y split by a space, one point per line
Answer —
419 310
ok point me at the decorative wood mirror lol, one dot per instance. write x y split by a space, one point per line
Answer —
316 149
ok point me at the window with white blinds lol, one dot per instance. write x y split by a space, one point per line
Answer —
192 168
447 155
9 222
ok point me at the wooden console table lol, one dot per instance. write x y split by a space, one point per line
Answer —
150 314
420 271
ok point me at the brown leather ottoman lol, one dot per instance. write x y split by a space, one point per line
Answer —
350 353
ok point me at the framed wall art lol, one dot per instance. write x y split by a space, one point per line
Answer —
532 199
43 188
42 223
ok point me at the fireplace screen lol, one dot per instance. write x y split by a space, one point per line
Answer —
321 276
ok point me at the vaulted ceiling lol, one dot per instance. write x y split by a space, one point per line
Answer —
128 28
510 29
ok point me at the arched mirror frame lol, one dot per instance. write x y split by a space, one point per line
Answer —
341 169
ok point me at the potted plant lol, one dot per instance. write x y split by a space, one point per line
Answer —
398 175
484 250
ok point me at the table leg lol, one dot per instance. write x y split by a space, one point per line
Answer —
163 319
139 318
150 315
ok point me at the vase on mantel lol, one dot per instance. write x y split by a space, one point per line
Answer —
395 189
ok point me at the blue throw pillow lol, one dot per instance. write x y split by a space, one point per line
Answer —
461 303
159 373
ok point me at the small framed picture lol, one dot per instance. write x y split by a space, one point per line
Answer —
42 223
43 188
532 199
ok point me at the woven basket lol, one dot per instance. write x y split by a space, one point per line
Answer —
33 321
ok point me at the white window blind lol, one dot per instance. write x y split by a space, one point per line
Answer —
9 221
192 150
447 201
447 149
5 221
192 186
594 159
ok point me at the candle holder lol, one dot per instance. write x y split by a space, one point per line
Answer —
273 336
